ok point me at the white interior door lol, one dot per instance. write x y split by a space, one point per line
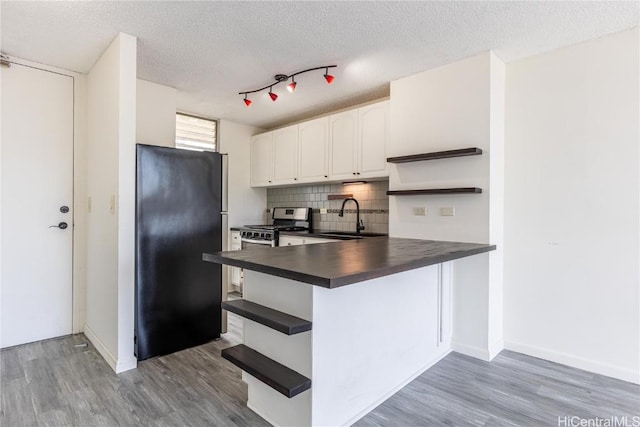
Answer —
36 154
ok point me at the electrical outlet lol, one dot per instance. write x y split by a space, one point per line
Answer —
420 211
448 211
323 211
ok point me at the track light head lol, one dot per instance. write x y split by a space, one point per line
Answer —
247 101
328 77
292 86
273 96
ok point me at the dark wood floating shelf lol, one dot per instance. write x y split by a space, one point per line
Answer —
474 151
275 375
426 191
282 322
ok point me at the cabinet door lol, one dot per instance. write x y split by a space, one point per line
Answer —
313 143
373 123
290 241
236 243
285 155
262 159
343 130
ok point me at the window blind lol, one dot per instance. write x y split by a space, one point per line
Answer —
194 133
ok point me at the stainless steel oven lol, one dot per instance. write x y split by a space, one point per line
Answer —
289 219
254 238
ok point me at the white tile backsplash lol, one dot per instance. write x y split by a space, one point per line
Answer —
372 196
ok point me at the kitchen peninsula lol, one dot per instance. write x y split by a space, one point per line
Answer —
334 329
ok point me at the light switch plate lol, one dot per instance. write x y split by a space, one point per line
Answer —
449 211
420 211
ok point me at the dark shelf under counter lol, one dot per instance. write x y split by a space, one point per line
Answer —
274 319
275 375
462 152
430 191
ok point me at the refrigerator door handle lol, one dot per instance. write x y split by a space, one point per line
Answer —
225 182
225 231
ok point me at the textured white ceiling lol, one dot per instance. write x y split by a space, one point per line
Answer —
210 51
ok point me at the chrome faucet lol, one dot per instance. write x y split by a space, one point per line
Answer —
359 223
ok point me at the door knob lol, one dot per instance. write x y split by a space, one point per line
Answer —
61 226
64 209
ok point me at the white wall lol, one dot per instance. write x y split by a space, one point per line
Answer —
455 106
110 168
246 205
572 235
126 202
155 114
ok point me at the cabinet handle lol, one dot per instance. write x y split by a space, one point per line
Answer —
269 180
358 173
326 176
295 179
354 173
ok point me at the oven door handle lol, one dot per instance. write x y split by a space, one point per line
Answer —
257 242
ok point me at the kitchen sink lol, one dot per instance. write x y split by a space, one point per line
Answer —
349 234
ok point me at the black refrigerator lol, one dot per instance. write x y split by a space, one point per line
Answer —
180 213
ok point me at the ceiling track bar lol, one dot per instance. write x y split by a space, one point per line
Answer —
4 61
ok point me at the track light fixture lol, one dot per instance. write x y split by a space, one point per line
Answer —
328 77
279 78
292 86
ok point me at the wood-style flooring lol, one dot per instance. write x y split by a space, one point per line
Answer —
56 383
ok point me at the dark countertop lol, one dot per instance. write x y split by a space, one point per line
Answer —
331 265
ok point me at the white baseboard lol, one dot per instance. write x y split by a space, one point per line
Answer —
126 364
374 405
115 364
101 347
260 414
397 388
471 350
495 349
594 366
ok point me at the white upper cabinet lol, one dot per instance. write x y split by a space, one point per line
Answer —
343 136
285 155
373 125
262 159
359 142
274 157
344 146
313 144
